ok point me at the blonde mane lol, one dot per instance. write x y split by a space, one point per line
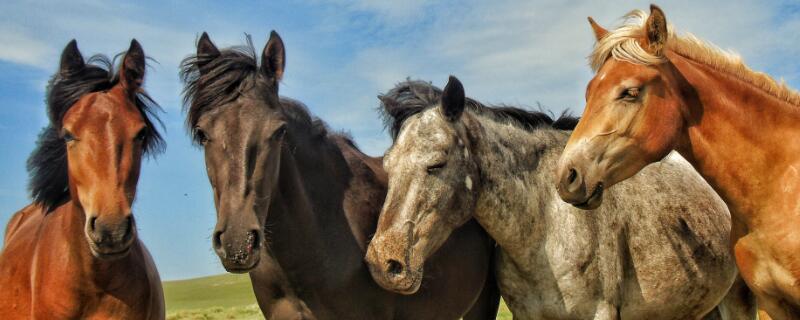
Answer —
622 44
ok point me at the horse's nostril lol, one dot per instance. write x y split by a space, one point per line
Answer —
253 242
217 239
393 267
92 223
129 227
573 175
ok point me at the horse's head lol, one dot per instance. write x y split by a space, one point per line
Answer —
235 114
93 148
633 111
432 181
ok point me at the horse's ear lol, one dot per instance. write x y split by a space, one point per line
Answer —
206 50
390 106
599 31
273 59
71 59
131 74
656 29
453 100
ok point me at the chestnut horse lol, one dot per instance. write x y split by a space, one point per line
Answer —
73 253
290 193
656 91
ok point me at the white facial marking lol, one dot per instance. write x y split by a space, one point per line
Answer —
468 182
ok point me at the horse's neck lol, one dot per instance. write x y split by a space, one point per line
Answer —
739 137
308 225
515 186
292 225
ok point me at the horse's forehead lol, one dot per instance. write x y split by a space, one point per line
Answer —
240 114
103 109
422 134
616 70
425 131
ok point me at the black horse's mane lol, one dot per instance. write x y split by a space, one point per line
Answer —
47 164
227 76
412 97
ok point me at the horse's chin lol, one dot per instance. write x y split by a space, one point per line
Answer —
109 256
412 289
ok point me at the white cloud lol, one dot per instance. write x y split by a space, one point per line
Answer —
20 47
391 12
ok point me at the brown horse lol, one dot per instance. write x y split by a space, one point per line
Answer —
292 194
655 91
73 253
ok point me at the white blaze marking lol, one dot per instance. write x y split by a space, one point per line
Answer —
468 182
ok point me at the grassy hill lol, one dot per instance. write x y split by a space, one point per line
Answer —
225 296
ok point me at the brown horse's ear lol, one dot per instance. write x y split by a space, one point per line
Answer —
453 100
599 32
131 74
71 59
656 29
273 59
206 50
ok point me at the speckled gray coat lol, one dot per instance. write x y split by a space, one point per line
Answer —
657 249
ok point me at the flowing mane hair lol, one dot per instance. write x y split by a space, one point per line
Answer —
214 81
412 97
622 44
47 165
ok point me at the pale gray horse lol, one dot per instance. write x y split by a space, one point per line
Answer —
657 249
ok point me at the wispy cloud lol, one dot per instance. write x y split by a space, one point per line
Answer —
20 47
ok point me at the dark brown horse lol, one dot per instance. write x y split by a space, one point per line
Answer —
73 253
287 189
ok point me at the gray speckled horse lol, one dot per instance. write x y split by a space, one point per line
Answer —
658 248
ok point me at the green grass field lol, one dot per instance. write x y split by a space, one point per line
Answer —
223 297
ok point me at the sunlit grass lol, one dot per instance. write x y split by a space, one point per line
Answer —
224 297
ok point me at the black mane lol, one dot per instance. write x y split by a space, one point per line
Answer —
47 164
413 96
225 77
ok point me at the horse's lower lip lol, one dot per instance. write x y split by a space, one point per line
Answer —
241 269
110 255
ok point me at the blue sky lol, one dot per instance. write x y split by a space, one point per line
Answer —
340 55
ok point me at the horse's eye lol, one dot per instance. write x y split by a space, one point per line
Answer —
141 135
630 94
436 167
200 136
68 136
279 133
